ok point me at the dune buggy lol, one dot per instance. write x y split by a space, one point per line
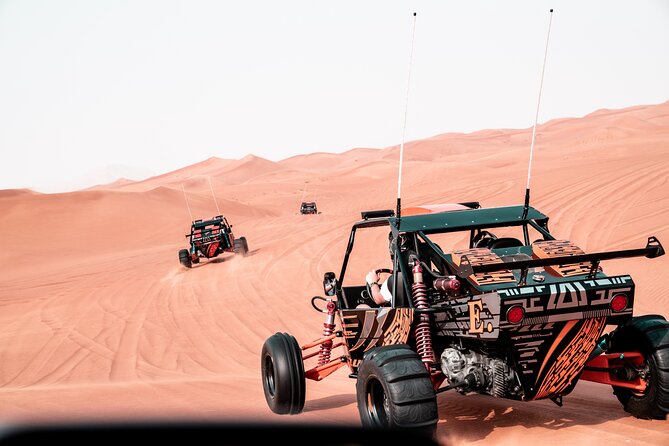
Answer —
513 313
209 238
308 207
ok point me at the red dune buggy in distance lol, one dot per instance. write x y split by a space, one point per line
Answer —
209 238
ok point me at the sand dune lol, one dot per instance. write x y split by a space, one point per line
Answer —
98 320
196 177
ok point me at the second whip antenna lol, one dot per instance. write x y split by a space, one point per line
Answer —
536 118
404 126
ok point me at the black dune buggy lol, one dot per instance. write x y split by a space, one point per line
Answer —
308 207
210 238
519 316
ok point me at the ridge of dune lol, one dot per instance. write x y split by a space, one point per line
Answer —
252 166
196 177
325 161
116 184
597 125
202 168
8 193
637 109
211 164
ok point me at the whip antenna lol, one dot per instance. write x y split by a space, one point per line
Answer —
404 126
212 194
536 118
187 205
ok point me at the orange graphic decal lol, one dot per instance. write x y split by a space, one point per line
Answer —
571 360
483 256
398 330
476 326
556 248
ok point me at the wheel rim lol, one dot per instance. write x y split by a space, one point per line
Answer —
378 406
642 371
646 376
268 376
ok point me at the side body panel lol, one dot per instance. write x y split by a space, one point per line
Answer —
373 327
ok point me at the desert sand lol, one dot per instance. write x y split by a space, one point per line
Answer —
98 321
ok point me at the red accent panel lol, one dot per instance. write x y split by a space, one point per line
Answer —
211 251
321 371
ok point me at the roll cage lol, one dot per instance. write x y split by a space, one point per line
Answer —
204 232
418 228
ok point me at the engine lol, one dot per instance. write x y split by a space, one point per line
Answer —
478 372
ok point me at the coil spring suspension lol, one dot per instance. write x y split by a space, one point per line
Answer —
423 333
328 329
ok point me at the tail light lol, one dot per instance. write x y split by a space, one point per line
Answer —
515 314
619 302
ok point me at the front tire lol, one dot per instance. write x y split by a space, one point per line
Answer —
283 376
648 335
184 258
394 390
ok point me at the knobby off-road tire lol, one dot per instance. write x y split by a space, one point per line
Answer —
282 371
648 335
394 390
184 258
241 246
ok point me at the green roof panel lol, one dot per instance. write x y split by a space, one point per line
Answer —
467 219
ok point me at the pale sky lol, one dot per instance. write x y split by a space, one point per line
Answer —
92 90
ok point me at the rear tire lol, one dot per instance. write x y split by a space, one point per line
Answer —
648 335
394 390
184 258
241 246
282 371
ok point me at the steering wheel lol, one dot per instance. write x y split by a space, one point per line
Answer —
483 239
369 289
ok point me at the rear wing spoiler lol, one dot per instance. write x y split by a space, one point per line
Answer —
653 249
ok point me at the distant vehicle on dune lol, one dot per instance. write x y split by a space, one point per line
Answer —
308 207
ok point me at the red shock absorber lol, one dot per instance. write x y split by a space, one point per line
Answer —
450 284
328 329
423 334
